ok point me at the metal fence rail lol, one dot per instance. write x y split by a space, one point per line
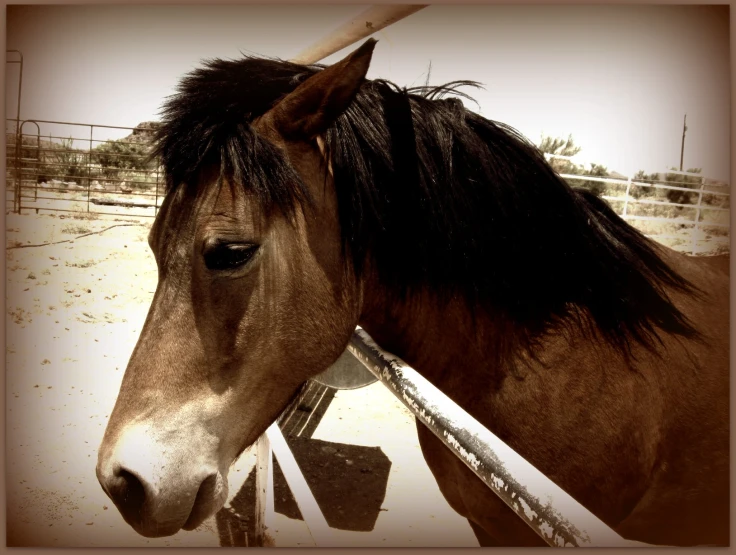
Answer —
548 510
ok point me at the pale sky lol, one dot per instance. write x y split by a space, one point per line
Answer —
618 78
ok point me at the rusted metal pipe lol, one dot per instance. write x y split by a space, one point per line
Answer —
363 25
553 514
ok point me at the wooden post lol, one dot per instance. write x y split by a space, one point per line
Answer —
264 490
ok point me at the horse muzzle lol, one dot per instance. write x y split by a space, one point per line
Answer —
159 491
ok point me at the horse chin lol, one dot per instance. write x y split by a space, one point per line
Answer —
210 498
157 531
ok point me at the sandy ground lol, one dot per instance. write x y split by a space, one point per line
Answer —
73 313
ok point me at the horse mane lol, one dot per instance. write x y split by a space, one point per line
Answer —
438 197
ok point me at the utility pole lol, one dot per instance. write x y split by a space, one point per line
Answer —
682 150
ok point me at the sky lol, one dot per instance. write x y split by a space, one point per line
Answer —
619 79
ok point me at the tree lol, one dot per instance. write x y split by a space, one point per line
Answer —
65 162
126 158
115 156
567 147
560 147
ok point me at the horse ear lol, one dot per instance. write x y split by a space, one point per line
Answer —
315 104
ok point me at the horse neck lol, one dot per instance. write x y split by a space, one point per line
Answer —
439 339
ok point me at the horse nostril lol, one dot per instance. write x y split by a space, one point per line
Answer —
128 494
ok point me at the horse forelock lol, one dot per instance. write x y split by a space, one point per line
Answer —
437 197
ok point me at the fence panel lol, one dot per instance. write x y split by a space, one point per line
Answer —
698 221
72 167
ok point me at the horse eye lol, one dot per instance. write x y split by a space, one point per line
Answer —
228 256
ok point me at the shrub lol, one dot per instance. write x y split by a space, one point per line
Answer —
687 181
643 192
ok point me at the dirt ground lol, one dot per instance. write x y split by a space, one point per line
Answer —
73 313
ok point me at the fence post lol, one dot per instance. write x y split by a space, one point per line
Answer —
626 198
697 214
18 170
89 165
155 202
38 165
18 126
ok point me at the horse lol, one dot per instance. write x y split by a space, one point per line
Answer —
305 200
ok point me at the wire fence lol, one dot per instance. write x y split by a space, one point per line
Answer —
104 170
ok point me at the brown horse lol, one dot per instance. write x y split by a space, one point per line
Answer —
303 201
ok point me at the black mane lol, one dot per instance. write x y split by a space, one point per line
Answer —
437 196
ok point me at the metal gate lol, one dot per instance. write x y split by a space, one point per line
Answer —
56 166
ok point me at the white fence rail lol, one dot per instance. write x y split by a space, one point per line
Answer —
695 223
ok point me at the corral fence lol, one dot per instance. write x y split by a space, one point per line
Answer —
682 210
55 166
